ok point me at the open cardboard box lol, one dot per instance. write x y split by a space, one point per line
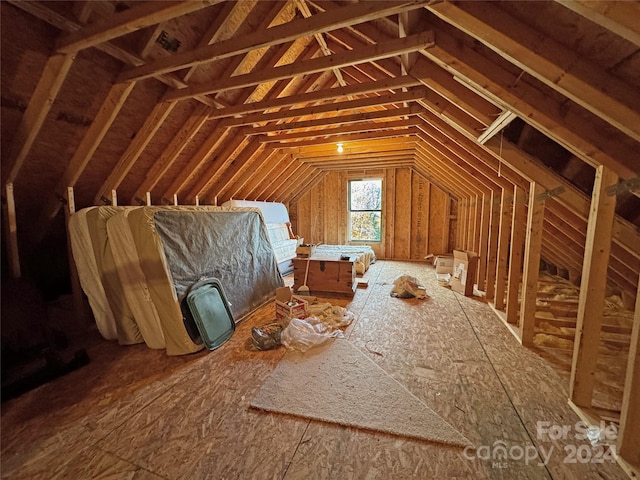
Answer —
444 263
289 305
465 264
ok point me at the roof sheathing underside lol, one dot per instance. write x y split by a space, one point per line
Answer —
456 84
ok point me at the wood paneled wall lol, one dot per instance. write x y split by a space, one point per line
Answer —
415 213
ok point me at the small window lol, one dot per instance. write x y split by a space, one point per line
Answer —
365 210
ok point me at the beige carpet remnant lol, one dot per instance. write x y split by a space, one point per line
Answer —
338 383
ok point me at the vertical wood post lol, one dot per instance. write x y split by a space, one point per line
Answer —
485 217
76 289
518 228
447 224
147 198
506 206
492 253
629 434
592 288
11 232
533 245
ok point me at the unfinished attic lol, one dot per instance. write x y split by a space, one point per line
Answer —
148 145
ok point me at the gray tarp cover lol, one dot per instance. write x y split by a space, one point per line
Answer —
233 247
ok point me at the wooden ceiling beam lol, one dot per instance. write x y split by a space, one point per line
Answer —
483 175
445 134
367 54
51 80
560 68
619 17
350 138
308 180
386 114
399 162
139 16
211 143
306 13
161 165
589 140
242 176
389 84
142 138
358 104
358 127
448 169
339 18
39 10
364 146
88 145
260 173
431 136
443 83
230 168
330 161
207 170
284 182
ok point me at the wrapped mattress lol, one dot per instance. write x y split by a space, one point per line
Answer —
179 246
133 280
127 329
276 217
89 276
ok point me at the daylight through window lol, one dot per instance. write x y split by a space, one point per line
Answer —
365 210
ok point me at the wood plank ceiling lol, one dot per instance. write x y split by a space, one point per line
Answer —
210 100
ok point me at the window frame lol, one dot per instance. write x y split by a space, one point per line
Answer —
350 211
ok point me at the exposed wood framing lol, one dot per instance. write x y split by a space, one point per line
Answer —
533 246
592 289
94 135
597 91
11 231
629 434
518 232
53 75
135 18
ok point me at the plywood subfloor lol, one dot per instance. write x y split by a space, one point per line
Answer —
136 413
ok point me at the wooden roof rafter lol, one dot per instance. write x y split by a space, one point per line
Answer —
354 13
595 90
388 49
565 124
139 16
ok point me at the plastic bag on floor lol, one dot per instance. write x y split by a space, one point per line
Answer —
333 315
406 286
303 334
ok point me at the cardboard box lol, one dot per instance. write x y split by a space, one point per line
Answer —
289 305
465 264
444 264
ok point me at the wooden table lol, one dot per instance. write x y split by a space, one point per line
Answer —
328 274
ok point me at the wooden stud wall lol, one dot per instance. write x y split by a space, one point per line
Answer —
415 217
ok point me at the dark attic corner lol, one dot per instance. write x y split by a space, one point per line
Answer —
39 329
440 197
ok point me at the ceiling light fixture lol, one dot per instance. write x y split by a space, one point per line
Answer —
340 149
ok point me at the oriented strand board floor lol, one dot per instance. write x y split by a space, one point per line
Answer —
135 413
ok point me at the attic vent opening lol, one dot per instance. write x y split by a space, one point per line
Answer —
169 44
